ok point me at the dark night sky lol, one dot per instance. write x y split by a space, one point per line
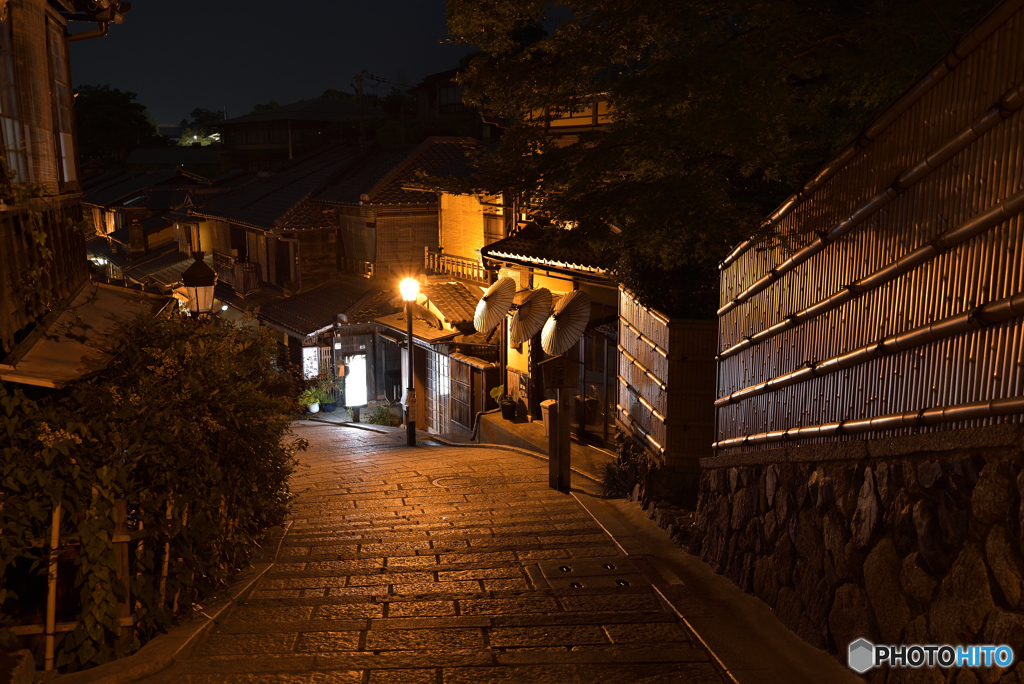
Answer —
216 53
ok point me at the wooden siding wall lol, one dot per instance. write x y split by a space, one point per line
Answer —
317 261
462 225
401 239
666 383
953 157
220 237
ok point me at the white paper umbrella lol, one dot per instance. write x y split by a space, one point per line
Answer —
567 323
495 303
530 316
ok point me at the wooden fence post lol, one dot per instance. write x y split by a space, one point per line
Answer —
121 541
51 594
165 565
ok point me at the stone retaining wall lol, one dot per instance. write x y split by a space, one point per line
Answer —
913 540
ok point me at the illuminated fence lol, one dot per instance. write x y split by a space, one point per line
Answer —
893 302
666 382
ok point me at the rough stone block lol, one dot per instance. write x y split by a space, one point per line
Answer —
991 497
867 517
789 609
851 617
1006 566
882 581
964 599
915 580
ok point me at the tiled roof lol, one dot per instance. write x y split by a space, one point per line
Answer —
268 202
158 222
262 297
94 181
163 258
174 154
456 302
358 299
316 109
385 174
539 246
170 275
162 199
362 175
109 193
99 246
420 328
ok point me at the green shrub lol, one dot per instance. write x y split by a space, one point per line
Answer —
191 416
311 395
499 396
631 463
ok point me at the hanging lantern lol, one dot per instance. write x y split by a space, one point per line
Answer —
199 281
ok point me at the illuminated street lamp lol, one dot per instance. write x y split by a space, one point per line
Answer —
410 287
199 281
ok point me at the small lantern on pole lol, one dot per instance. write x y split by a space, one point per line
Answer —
410 288
199 281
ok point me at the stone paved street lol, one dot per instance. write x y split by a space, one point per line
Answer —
442 565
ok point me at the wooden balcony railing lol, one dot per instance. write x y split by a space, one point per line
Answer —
459 268
244 277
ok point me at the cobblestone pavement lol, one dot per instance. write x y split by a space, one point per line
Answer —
441 565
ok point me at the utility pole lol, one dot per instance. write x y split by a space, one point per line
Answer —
359 77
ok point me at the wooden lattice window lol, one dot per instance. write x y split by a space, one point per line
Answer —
462 394
62 104
438 385
10 122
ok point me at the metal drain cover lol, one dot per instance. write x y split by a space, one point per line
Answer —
455 481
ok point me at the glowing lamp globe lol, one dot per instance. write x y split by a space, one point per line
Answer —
410 287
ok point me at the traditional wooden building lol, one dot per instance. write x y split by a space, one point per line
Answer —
331 327
534 257
267 138
44 273
867 476
338 215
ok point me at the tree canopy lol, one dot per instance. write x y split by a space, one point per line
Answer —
720 109
111 123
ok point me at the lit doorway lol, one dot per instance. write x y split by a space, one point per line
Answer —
355 380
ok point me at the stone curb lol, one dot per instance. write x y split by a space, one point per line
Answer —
655 581
435 438
163 651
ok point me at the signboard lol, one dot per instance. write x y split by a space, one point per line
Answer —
560 373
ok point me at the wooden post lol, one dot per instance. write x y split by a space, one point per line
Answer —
167 557
562 375
564 445
184 524
554 435
51 594
121 542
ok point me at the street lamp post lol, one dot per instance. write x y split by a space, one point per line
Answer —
199 281
410 287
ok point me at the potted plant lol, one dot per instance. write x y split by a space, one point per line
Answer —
505 402
310 398
328 384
